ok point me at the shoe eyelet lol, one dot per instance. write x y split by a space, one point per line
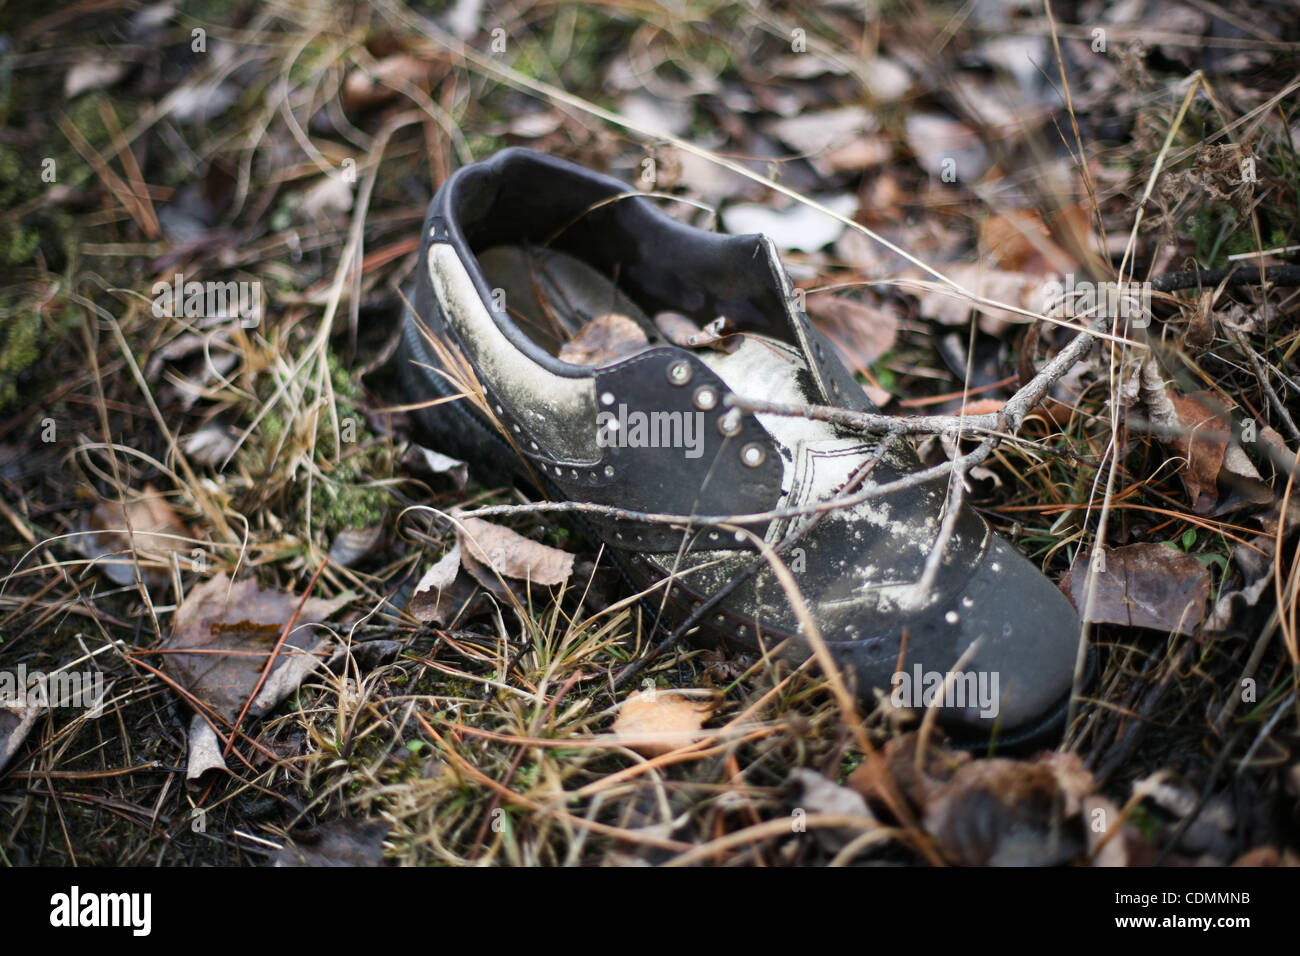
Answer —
705 398
607 398
609 471
752 455
499 409
729 424
679 373
713 536
533 445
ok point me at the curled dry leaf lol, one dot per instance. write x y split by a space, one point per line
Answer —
1204 445
17 717
719 335
606 338
1143 585
222 635
144 528
653 723
510 554
1002 812
434 599
435 463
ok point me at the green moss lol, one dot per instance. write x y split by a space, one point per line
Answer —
19 350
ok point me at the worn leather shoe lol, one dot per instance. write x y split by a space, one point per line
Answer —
545 334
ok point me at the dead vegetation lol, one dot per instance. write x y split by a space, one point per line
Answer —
443 682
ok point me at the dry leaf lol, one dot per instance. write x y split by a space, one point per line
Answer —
949 307
232 628
653 723
364 88
1019 241
435 463
328 198
511 555
1002 812
863 332
93 73
798 227
204 750
1143 585
1204 448
606 338
719 335
17 717
146 528
353 544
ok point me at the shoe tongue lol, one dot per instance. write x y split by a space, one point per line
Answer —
764 368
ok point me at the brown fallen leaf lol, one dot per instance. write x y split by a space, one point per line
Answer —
658 722
17 717
719 335
606 338
1019 289
223 633
863 332
1020 241
1002 812
144 528
436 599
1143 585
1204 448
366 88
511 555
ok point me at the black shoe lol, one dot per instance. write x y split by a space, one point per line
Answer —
523 251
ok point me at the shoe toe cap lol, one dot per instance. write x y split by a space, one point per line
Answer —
1028 638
